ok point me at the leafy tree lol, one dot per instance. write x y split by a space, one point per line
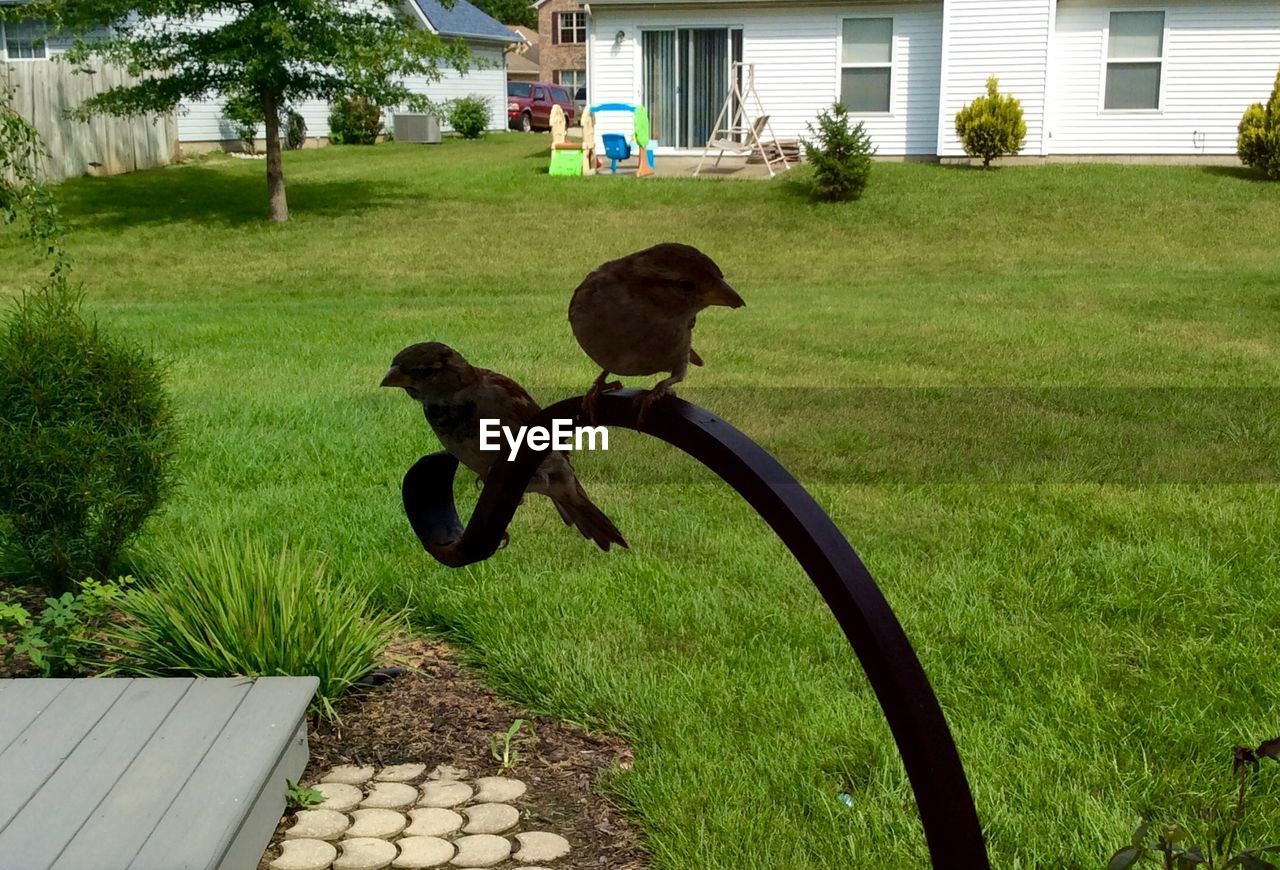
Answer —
277 52
1259 142
991 126
510 11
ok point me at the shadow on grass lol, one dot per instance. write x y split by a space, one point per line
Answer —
1240 173
213 196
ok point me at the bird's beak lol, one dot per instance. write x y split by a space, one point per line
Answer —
396 378
723 294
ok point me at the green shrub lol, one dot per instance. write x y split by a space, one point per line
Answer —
1259 142
991 126
469 116
355 121
59 640
86 438
244 111
295 130
840 156
233 607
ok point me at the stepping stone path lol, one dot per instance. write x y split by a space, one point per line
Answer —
369 821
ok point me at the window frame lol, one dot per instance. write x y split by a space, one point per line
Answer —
579 79
578 30
43 42
890 65
1107 60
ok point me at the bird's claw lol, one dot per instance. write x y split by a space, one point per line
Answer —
646 400
591 401
506 539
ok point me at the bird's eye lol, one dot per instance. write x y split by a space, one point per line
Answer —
688 286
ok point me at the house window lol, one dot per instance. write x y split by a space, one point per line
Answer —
569 27
866 64
573 79
1135 58
24 40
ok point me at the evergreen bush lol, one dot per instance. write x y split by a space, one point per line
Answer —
1258 144
840 156
991 126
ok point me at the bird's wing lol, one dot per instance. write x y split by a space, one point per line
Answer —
501 397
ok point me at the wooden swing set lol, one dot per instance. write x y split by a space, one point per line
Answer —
731 132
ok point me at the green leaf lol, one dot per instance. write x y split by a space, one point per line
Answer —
1125 858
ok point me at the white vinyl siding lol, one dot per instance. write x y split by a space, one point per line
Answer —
1006 38
1217 58
488 80
797 55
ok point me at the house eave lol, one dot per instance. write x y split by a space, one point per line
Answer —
737 4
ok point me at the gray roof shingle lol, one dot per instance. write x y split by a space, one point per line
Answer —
464 20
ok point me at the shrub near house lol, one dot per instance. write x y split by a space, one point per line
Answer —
1259 142
991 126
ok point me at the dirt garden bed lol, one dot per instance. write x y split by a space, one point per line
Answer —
437 713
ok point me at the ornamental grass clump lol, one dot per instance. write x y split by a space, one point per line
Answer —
235 607
991 126
1258 144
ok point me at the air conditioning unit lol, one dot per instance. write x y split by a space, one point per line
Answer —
416 127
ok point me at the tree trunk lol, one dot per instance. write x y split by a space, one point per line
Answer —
275 168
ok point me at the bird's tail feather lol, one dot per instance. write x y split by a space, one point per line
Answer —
580 512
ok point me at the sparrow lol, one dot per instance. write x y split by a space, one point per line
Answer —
635 316
456 396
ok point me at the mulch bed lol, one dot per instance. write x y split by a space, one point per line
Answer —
438 713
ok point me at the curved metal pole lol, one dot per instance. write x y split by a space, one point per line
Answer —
919 728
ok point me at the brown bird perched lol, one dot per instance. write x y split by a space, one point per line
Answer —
456 396
635 316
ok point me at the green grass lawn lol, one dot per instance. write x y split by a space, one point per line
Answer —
1039 401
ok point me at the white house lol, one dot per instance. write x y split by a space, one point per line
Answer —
202 125
1128 77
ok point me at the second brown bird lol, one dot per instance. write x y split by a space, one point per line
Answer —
635 316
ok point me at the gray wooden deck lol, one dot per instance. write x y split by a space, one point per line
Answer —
163 774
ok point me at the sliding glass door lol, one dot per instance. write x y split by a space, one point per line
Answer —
686 80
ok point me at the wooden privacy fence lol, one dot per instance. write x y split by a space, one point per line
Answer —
43 90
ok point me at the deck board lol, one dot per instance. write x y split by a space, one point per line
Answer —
163 774
47 741
53 815
238 763
22 703
145 791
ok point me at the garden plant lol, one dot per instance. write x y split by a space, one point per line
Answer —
469 116
840 154
991 126
1258 144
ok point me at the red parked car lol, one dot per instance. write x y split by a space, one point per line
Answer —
529 105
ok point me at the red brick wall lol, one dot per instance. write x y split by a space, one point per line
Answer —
554 55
